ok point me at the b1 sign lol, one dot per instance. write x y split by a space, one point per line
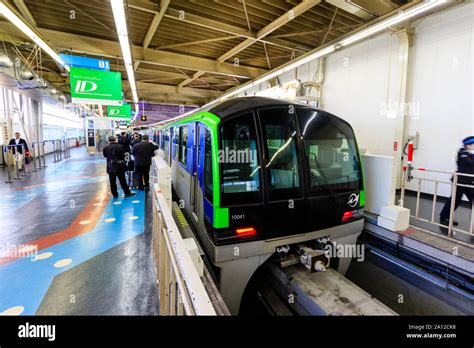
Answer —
96 86
85 62
123 112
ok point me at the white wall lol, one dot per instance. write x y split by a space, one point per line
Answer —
442 83
358 86
361 84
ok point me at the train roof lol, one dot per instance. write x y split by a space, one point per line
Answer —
233 106
236 105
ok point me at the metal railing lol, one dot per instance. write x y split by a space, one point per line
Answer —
14 158
38 154
61 150
408 177
181 289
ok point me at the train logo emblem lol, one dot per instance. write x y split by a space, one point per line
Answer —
353 200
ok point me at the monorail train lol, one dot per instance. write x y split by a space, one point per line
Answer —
255 174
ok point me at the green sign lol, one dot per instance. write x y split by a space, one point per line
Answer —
120 112
96 86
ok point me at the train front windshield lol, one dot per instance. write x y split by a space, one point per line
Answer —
331 152
289 139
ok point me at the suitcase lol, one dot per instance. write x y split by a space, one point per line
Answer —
134 180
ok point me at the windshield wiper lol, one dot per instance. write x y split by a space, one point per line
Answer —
315 175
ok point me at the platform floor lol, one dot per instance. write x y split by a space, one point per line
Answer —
68 247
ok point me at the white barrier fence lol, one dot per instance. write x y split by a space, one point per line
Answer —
181 289
455 185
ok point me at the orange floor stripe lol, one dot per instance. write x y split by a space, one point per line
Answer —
90 212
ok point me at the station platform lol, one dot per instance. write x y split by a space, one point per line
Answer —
70 248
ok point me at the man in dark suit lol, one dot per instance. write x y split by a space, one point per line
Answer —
116 167
143 152
18 141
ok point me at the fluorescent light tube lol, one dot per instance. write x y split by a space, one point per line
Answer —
402 16
122 32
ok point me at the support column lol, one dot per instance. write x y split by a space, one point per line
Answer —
405 38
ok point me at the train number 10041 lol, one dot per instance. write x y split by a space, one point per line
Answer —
238 216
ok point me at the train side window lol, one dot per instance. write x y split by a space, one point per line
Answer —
175 142
208 191
239 161
279 138
166 141
183 144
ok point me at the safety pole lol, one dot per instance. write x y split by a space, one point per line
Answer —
55 152
35 169
44 154
402 192
58 149
453 204
17 165
23 151
6 152
410 160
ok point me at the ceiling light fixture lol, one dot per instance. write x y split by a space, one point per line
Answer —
118 10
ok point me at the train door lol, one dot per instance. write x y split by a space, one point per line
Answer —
195 196
283 173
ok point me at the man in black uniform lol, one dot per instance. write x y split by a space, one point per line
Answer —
143 152
116 167
465 164
136 139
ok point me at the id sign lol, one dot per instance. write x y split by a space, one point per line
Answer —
123 112
95 86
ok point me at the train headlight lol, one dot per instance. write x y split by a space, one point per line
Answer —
246 232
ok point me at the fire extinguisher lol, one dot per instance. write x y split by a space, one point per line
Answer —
77 143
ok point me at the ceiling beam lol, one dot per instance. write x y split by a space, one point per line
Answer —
206 23
193 19
268 29
153 72
171 98
20 4
155 23
188 80
196 42
169 89
183 61
111 49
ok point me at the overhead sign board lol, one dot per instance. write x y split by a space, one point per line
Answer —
85 62
120 112
95 86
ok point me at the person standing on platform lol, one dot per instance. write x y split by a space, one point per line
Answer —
143 152
465 162
116 167
18 141
136 139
